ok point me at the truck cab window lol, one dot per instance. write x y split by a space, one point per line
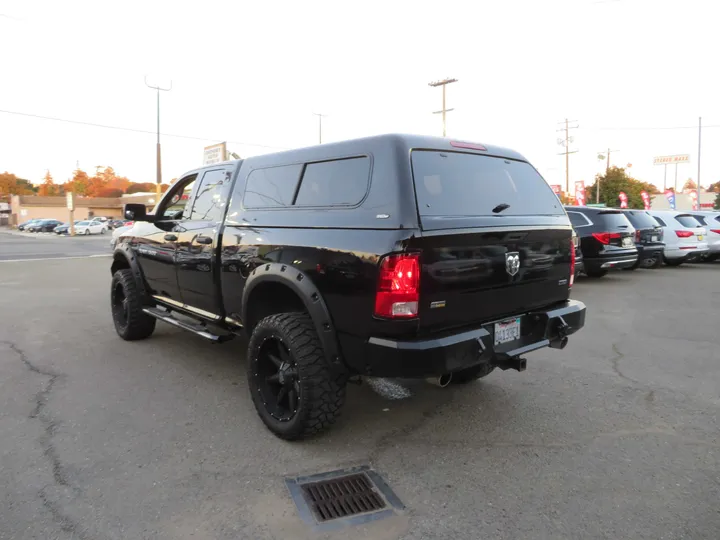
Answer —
210 199
176 207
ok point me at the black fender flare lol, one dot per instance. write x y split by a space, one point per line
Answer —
306 290
123 252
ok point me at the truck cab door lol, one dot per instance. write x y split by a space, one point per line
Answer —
154 243
198 244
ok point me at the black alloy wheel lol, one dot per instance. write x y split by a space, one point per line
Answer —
126 306
277 380
119 305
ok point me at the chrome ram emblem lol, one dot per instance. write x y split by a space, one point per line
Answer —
512 262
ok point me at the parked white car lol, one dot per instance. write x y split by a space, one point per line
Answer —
117 233
711 222
684 236
90 227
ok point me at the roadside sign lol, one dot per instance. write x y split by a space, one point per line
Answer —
217 153
70 201
670 160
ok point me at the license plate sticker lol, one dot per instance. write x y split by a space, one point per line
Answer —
700 237
507 331
627 241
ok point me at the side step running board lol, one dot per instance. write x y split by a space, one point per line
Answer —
197 328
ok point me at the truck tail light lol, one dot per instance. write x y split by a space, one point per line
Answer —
605 237
637 236
572 263
684 234
398 286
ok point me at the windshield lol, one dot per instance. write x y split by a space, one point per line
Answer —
84 223
687 221
458 184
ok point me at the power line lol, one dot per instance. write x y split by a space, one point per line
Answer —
135 130
649 128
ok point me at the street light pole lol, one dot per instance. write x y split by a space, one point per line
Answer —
320 117
158 173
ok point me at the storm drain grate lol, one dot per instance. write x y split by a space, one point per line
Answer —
342 497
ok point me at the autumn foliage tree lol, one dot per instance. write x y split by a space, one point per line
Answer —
689 185
615 181
79 183
49 188
12 185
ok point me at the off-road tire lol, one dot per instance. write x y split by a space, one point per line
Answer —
673 262
139 325
322 391
471 374
595 273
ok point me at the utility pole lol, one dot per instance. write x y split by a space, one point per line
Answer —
320 117
444 109
697 190
607 169
158 175
566 143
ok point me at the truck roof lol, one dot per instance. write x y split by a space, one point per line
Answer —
362 145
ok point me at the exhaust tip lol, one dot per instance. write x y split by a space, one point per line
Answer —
442 381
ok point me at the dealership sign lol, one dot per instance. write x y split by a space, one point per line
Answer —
217 153
670 160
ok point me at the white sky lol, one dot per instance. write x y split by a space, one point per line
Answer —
254 71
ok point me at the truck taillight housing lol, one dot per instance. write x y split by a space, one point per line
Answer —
572 262
398 286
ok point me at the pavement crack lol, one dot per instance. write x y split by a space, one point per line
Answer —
615 362
40 412
67 524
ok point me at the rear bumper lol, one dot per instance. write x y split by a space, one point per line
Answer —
437 356
608 263
647 254
686 252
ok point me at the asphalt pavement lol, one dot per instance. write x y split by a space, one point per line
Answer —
617 436
21 246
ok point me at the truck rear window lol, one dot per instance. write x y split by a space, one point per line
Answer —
459 184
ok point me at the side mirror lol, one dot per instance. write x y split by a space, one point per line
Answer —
136 212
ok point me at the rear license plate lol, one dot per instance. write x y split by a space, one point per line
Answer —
700 237
627 241
654 238
507 331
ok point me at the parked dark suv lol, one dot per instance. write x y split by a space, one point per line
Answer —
648 239
607 239
390 256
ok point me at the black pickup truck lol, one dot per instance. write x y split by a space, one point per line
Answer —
389 256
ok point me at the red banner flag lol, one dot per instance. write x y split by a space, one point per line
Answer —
646 199
623 199
580 193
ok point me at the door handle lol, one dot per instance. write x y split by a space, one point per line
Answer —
204 240
170 238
